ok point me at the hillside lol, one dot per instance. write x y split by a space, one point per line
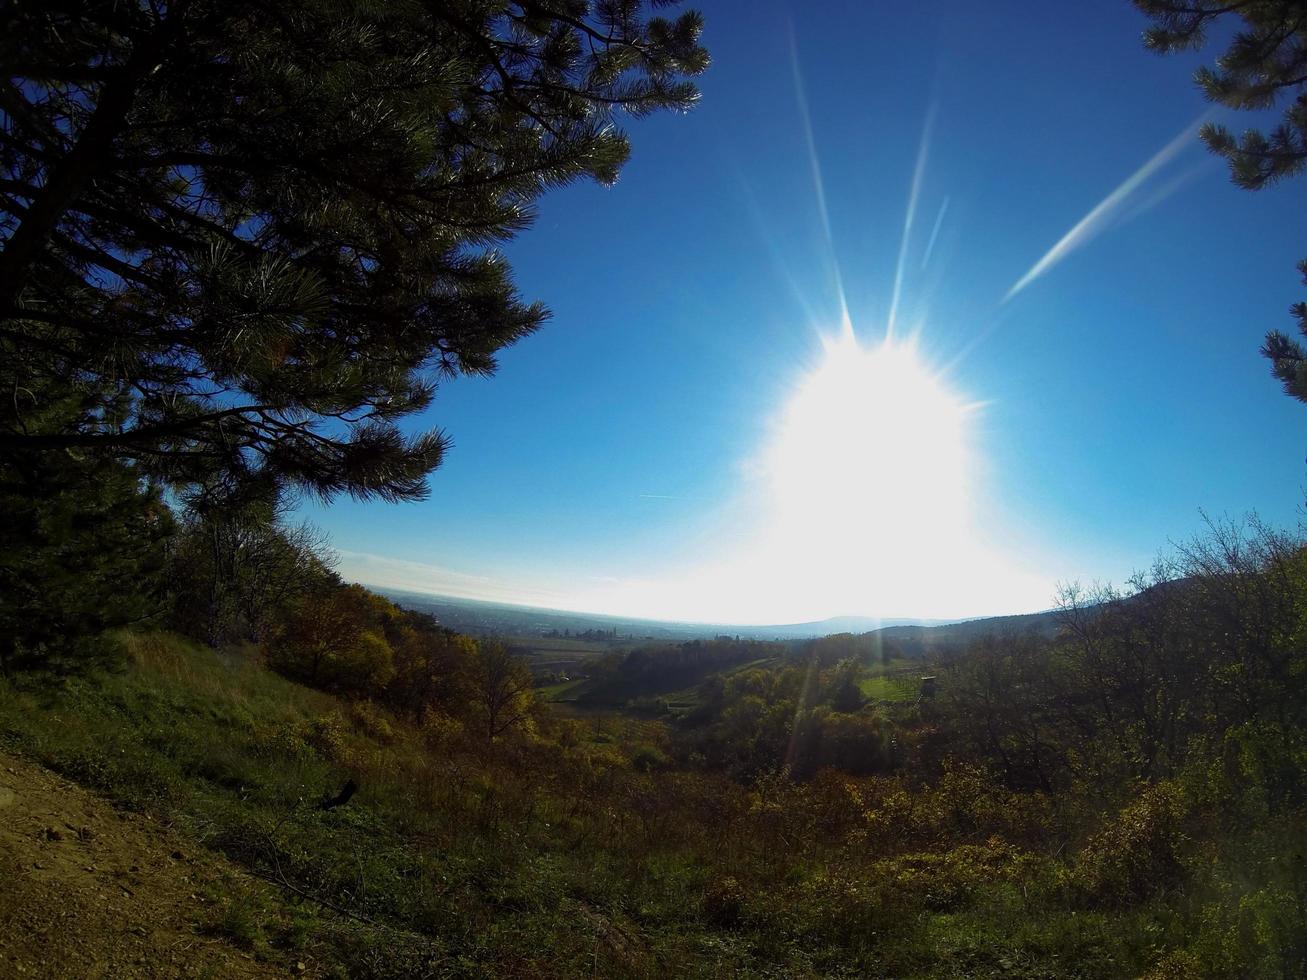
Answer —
804 816
356 788
953 638
95 891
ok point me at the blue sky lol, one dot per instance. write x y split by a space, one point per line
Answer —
629 457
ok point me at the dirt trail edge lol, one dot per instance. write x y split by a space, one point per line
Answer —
90 891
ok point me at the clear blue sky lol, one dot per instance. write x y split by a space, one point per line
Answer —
624 459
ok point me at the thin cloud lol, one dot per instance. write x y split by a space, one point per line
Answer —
1110 209
414 576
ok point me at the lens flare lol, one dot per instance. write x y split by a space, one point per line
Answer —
869 467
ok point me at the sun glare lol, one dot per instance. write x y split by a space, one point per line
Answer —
869 471
863 500
871 449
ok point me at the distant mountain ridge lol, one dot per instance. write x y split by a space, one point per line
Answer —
478 617
945 639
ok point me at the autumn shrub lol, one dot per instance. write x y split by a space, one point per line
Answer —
947 880
646 757
281 741
723 901
372 721
1257 935
845 905
1177 964
966 804
1140 850
779 810
335 640
439 729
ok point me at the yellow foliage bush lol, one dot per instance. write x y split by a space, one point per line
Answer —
1138 852
440 730
372 722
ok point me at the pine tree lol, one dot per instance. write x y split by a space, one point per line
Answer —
82 551
256 234
1265 63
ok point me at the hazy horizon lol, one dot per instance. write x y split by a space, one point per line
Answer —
404 586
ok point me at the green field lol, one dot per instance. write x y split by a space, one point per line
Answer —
898 681
903 686
566 691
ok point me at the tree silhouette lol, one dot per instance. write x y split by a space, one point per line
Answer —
256 234
1265 62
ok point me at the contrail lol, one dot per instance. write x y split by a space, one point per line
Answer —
1108 209
1171 186
914 195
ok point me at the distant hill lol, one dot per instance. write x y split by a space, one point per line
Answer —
478 618
916 640
845 624
495 618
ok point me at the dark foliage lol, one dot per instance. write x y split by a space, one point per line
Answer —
238 567
1264 65
1211 642
82 550
255 234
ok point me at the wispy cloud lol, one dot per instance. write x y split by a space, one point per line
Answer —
1122 202
415 576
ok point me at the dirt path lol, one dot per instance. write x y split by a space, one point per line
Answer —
89 891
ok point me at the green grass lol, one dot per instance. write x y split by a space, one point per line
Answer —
560 692
752 664
465 863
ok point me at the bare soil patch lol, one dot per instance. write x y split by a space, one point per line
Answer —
91 891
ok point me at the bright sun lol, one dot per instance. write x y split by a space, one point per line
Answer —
864 501
869 466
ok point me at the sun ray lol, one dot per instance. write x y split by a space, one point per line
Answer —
819 186
774 251
934 234
914 195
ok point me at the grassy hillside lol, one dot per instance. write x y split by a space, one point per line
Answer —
592 848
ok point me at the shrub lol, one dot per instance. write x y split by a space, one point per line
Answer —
372 722
723 900
439 729
326 735
647 758
1139 852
